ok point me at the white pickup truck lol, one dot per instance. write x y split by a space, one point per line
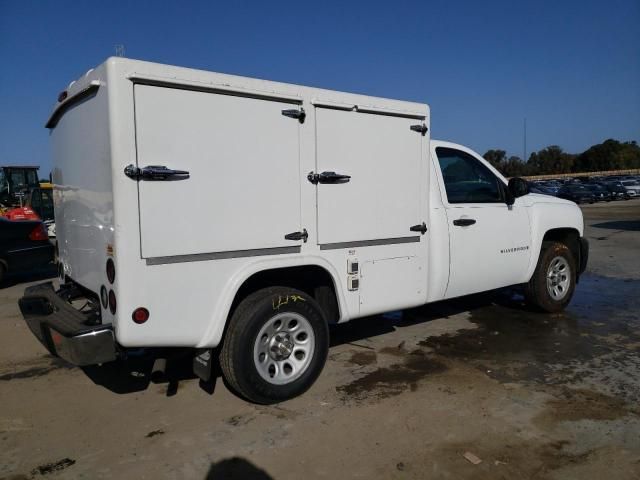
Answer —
240 217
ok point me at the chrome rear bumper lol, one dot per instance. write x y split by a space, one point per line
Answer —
65 331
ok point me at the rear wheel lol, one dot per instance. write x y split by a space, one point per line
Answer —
276 345
553 282
3 272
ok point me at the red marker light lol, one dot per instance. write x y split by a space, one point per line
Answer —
140 315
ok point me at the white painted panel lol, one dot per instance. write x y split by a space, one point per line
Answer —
492 253
391 284
243 157
83 195
383 156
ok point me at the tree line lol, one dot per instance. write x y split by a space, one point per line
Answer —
608 155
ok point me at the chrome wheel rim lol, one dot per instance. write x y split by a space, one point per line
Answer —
284 347
558 278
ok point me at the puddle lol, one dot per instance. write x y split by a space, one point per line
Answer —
595 339
580 404
363 358
393 380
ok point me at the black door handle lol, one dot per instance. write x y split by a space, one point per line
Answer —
464 222
303 235
328 177
154 172
422 228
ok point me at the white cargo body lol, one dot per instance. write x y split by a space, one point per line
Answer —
203 187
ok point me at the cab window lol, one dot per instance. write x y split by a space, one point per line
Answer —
467 180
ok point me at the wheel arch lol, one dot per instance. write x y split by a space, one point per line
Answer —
567 235
316 278
312 279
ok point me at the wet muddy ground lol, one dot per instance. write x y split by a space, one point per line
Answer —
479 388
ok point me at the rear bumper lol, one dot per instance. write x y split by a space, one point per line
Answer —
584 255
65 331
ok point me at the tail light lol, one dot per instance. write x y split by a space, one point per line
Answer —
39 233
112 302
140 315
111 271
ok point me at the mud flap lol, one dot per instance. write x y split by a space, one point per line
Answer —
202 364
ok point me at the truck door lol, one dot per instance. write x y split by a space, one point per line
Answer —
380 201
489 241
378 211
241 195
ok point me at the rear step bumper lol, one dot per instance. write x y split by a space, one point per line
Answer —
63 330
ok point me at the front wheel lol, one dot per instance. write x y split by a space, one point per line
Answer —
553 282
276 345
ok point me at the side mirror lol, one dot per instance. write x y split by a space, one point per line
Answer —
517 188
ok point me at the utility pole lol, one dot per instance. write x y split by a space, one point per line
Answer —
525 140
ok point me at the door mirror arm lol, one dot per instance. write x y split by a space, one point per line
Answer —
509 198
517 187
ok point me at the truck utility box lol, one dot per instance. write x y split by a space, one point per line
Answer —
203 210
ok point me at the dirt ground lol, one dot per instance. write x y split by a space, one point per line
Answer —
404 395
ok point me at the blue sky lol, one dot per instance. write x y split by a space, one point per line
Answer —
572 68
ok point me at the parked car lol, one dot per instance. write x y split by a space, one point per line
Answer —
617 191
24 245
600 192
632 187
576 193
541 188
552 188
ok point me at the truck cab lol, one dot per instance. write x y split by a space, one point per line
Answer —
239 217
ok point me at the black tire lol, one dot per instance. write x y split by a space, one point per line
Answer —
237 354
3 272
537 292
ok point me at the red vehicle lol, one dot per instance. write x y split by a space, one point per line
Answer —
21 213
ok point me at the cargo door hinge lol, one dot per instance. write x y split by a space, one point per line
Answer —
422 129
294 113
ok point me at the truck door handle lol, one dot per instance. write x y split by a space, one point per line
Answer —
328 177
422 228
303 235
154 172
464 222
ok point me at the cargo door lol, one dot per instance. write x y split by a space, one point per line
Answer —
380 202
242 192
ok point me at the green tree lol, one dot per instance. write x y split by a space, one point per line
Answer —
514 167
497 158
551 159
609 155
